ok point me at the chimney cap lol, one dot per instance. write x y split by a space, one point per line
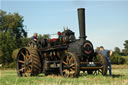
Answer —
81 8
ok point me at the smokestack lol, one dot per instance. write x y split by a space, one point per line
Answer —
81 18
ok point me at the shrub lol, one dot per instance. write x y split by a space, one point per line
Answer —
117 59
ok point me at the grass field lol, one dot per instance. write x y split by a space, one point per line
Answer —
119 77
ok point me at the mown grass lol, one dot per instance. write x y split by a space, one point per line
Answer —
119 77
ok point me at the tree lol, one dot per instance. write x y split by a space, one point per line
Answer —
11 35
117 50
7 45
13 23
117 59
125 50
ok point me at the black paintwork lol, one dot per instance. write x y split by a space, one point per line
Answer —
66 42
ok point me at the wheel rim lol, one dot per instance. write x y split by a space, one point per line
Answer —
69 65
102 60
24 63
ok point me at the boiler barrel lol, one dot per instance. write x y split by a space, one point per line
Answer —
81 18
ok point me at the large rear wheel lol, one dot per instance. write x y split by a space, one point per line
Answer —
33 44
70 65
28 62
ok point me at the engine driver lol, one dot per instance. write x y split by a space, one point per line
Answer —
35 37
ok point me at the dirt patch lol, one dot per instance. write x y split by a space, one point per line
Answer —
119 66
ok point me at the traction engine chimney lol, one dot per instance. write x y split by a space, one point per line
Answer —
81 18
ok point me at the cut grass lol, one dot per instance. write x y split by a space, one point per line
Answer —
120 77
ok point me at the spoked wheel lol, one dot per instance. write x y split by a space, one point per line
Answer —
33 44
104 65
70 65
28 62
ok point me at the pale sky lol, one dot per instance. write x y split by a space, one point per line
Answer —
106 21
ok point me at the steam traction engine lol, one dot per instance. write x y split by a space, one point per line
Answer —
65 55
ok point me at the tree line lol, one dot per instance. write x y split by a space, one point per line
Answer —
14 36
120 56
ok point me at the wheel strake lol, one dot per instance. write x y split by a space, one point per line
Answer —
28 62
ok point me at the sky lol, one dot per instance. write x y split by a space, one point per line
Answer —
106 20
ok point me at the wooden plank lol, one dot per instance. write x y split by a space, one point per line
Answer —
90 68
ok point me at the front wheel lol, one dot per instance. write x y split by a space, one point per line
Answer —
101 58
104 64
69 65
